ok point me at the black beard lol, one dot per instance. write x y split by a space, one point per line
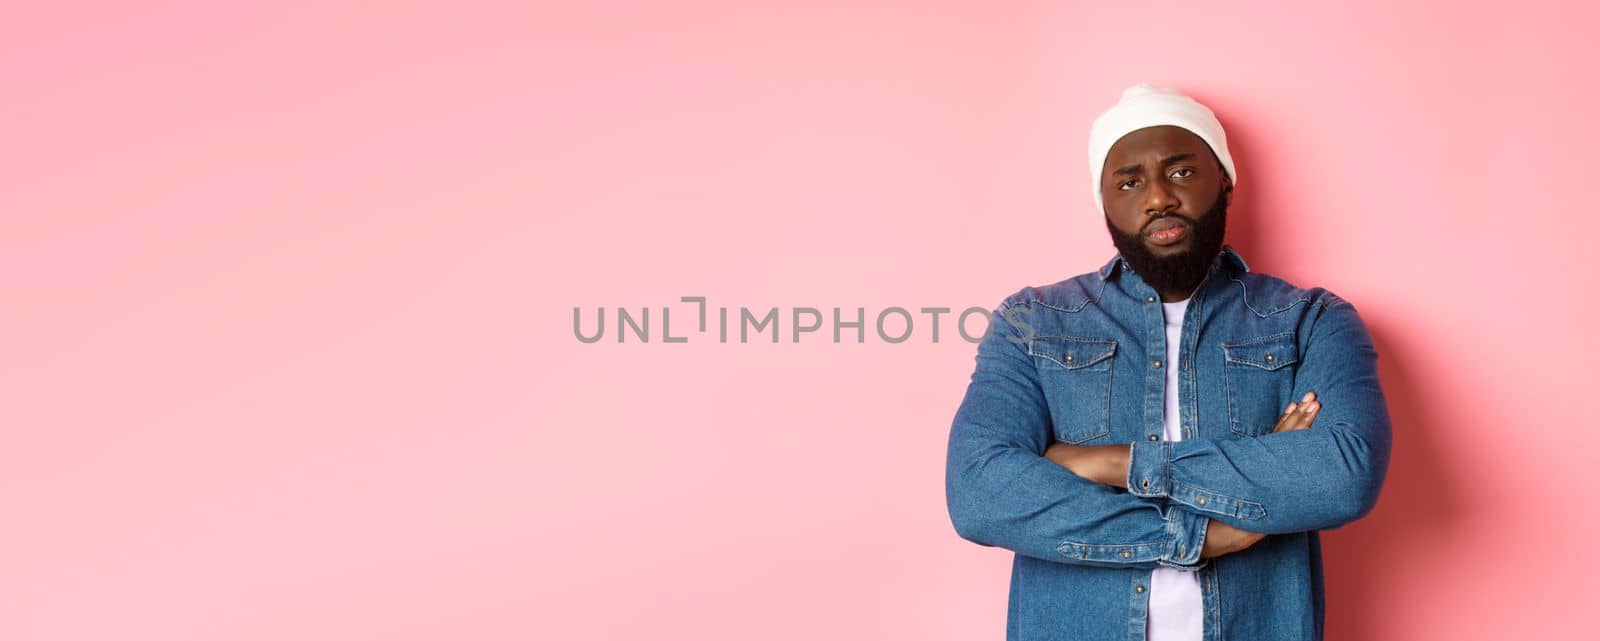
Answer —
1178 273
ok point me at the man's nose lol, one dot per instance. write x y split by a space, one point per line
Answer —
1159 199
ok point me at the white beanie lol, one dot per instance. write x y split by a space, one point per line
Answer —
1144 105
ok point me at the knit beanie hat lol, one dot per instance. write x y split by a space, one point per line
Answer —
1144 105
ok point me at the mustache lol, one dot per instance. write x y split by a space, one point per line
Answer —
1180 218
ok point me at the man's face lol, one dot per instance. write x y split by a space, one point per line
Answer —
1166 199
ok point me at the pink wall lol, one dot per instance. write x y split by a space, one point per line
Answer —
288 347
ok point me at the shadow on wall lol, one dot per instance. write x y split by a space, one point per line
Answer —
1362 558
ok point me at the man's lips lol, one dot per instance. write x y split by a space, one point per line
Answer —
1166 231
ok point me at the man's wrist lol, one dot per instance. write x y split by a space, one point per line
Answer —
1115 461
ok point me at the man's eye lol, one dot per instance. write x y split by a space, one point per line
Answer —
1125 184
1185 169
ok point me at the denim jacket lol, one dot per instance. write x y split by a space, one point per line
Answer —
1082 361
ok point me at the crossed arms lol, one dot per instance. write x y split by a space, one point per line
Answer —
1008 486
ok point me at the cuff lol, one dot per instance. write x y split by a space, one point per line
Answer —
1149 473
1188 531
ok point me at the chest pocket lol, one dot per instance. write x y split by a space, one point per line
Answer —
1076 376
1259 374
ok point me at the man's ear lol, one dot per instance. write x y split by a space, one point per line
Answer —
1227 189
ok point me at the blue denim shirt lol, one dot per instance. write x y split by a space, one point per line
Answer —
1082 361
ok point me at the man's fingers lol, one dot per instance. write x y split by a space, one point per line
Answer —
1305 411
1306 414
1285 419
1298 414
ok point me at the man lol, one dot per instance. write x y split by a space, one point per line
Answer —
1160 441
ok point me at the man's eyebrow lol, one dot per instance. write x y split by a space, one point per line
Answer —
1134 168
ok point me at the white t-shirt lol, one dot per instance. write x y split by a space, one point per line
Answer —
1176 610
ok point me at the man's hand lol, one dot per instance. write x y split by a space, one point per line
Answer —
1298 416
1222 538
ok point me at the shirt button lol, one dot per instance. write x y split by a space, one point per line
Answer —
1149 299
1125 554
1152 437
1155 364
1269 358
1201 500
1138 588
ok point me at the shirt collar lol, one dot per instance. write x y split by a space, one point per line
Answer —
1228 258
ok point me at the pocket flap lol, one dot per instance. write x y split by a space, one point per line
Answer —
1267 352
1071 352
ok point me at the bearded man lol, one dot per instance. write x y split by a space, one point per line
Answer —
1159 442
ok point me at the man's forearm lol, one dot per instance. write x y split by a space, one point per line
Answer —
1110 464
1103 464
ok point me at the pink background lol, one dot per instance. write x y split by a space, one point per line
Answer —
288 297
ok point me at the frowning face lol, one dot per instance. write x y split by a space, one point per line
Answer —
1166 198
1158 182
